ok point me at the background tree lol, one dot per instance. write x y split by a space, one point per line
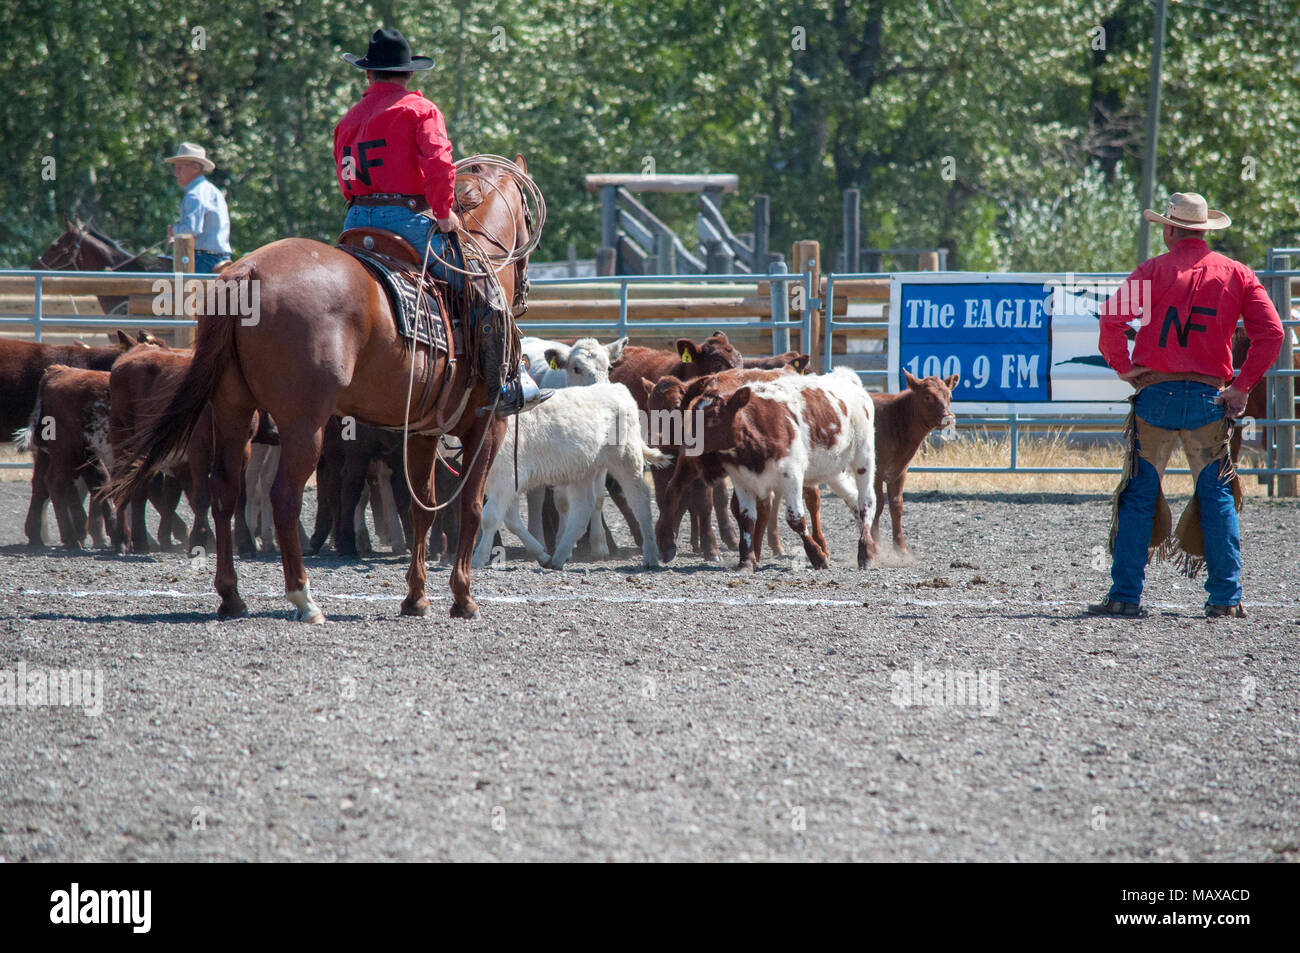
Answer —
1008 131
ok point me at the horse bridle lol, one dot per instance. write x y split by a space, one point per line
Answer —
72 256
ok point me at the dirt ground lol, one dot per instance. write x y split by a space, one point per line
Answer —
956 706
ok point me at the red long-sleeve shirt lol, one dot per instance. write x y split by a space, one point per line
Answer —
1188 301
396 142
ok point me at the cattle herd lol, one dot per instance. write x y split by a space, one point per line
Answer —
723 438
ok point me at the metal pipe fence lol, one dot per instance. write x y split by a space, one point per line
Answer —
778 323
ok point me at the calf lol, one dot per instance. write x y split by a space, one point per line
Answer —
554 364
903 421
140 383
581 364
21 365
672 429
68 436
791 359
569 443
341 478
779 436
688 362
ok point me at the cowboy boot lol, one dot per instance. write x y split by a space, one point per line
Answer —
518 392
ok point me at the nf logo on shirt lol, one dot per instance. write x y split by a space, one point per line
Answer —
1183 331
363 163
132 907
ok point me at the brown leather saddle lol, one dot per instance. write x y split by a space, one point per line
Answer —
419 310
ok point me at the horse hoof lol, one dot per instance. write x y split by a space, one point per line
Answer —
233 608
420 607
312 616
667 553
712 557
468 611
544 560
746 567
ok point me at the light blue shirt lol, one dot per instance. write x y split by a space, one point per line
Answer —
204 215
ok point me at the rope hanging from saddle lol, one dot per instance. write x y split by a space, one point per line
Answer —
534 208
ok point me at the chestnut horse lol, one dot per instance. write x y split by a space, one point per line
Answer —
324 342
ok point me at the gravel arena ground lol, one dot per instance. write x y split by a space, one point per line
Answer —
611 713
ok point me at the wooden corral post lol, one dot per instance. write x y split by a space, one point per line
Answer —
806 256
608 226
717 259
605 261
1284 386
852 228
762 232
183 256
573 260
665 253
927 261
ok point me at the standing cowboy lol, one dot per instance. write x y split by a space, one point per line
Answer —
395 169
203 208
1186 303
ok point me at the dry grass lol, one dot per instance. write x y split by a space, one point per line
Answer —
1051 448
973 448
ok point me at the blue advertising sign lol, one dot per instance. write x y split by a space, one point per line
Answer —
1015 339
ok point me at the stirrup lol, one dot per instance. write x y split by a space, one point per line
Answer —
519 395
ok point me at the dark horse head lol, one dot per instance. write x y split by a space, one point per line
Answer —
82 247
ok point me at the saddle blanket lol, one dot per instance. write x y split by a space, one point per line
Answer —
418 314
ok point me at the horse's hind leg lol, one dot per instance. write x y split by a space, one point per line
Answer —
491 430
420 453
300 445
229 455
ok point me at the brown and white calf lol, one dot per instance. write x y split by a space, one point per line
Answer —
677 433
903 421
777 437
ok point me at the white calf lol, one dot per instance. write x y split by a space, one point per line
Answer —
570 443
581 364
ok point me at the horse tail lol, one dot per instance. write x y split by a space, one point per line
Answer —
170 430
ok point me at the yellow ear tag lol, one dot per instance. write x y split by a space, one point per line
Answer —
554 364
686 357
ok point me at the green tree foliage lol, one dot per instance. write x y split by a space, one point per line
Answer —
1009 131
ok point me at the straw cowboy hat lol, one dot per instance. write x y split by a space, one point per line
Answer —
1189 210
389 51
189 152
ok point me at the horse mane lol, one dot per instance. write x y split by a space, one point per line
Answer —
112 243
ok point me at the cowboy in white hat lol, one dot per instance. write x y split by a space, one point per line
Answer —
203 208
1186 304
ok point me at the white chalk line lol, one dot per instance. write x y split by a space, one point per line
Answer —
877 600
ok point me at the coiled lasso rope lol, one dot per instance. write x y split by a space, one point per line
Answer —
531 195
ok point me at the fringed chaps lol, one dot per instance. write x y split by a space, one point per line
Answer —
1184 543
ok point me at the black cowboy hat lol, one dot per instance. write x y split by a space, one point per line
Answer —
389 51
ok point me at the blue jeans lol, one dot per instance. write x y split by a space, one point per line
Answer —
415 228
206 262
1177 405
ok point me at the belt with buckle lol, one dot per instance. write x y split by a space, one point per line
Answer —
416 203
